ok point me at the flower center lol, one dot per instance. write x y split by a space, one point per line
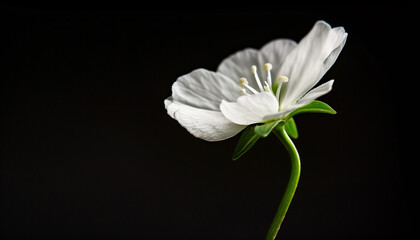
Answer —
268 85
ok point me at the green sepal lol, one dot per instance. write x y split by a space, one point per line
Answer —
264 130
291 128
252 133
248 138
313 107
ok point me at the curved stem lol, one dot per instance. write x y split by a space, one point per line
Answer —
281 134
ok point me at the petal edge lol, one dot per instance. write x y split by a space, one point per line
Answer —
205 124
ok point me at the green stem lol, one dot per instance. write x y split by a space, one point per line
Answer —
280 132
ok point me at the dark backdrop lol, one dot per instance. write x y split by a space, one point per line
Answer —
88 151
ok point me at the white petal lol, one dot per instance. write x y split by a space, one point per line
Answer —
308 98
205 89
309 61
250 109
330 60
205 124
238 65
275 52
316 93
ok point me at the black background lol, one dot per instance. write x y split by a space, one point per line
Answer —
88 151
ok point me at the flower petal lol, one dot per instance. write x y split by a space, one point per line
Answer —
205 124
308 62
205 89
250 109
308 98
275 52
315 93
238 65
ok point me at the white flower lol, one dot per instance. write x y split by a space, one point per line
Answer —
254 86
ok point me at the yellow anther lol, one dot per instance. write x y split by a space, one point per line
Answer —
243 91
268 66
243 82
283 78
253 69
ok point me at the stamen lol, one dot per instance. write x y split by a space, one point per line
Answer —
244 83
243 90
257 79
267 87
268 68
281 79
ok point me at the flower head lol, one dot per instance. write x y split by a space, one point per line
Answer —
254 86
